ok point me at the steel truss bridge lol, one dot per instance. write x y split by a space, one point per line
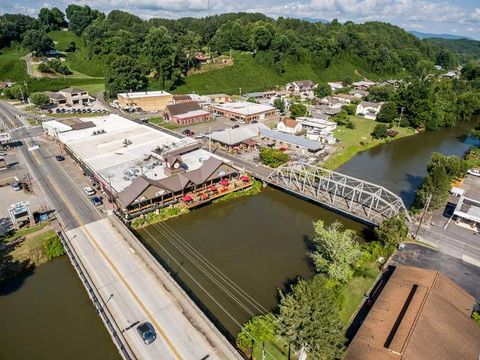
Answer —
366 201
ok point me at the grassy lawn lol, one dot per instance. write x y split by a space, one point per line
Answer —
272 351
12 67
33 248
79 61
159 121
26 231
359 139
352 293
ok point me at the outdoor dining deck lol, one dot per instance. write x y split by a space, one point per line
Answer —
224 187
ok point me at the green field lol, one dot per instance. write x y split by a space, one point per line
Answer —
12 67
78 61
353 141
248 75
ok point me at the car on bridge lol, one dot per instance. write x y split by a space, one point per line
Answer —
96 200
147 332
59 158
89 191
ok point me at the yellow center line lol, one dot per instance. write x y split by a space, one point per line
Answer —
84 229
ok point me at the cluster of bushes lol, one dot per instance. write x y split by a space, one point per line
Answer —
343 118
54 65
53 247
272 157
157 216
382 131
16 92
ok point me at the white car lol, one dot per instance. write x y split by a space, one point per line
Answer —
89 191
474 172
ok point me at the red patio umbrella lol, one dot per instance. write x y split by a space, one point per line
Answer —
187 198
224 182
205 196
245 178
213 188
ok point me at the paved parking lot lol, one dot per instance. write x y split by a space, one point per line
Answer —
465 275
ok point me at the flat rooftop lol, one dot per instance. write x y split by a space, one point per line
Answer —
238 135
468 209
144 94
244 108
119 150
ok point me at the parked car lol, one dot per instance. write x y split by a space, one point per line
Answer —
254 121
147 332
89 191
474 172
59 158
186 132
235 126
16 186
96 200
200 136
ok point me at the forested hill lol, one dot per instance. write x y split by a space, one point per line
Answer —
136 53
466 50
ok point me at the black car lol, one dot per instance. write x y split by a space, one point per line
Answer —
96 200
59 158
235 126
254 121
147 332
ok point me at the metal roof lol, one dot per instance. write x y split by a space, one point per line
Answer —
291 139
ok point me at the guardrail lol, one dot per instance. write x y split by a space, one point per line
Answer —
98 302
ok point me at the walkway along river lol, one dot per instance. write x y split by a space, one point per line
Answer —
261 242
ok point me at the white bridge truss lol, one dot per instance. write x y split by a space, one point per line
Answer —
362 199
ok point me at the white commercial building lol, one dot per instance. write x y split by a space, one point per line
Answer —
320 130
368 109
244 111
117 151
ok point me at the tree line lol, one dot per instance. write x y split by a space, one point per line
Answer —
139 52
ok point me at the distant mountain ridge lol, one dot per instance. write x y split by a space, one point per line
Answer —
422 35
323 21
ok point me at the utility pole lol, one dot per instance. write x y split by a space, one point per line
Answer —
401 115
210 139
427 204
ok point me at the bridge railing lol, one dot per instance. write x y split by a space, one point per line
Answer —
346 193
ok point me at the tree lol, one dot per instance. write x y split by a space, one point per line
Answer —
17 92
322 90
258 329
39 99
388 112
347 81
124 74
9 267
297 109
80 17
392 230
272 157
44 68
437 184
446 59
350 109
37 41
309 318
342 118
71 47
279 103
467 104
162 54
336 251
380 131
381 93
51 19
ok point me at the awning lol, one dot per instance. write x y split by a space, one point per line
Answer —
187 198
224 182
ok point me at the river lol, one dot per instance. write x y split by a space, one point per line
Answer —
259 242
48 315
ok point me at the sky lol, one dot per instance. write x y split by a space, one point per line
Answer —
460 17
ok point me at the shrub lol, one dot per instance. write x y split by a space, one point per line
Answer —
53 247
380 131
39 99
272 157
44 68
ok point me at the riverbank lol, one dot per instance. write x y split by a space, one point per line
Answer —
29 248
354 141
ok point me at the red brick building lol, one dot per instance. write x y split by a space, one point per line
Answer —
186 113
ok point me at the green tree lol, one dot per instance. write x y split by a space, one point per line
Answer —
392 230
468 104
350 109
51 19
53 247
437 184
381 93
322 90
37 41
272 157
161 53
380 131
336 251
347 81
342 118
17 92
39 99
388 112
445 59
297 109
309 318
80 17
71 47
44 68
258 329
279 103
124 74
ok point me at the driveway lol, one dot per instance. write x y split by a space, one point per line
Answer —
463 274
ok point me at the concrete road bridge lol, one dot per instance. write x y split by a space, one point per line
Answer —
368 202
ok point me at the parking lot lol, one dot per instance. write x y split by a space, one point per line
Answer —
465 275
